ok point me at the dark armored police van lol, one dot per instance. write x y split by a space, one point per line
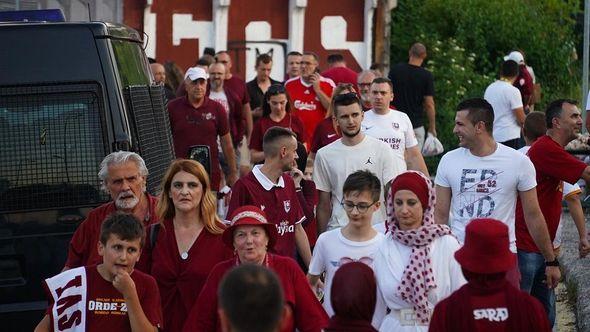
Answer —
70 93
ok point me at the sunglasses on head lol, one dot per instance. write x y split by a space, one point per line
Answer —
276 89
351 96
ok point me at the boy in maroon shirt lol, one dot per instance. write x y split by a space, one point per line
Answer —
270 188
110 296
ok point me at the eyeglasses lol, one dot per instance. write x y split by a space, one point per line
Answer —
276 89
364 85
350 97
360 207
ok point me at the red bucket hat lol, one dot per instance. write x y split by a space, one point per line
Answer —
487 247
249 215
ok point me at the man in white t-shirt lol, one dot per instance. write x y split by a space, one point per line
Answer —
392 127
482 179
507 104
352 152
355 242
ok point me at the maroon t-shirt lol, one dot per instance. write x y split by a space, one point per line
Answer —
553 165
180 280
264 123
342 75
281 206
198 126
307 314
324 134
82 250
106 309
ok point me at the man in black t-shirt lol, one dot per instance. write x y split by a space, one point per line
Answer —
413 89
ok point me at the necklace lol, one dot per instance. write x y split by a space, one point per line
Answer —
184 255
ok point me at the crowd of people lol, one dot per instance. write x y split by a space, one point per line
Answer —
307 205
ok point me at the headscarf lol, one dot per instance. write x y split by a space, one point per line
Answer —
353 296
418 277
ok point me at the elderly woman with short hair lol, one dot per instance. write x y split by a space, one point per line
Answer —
251 236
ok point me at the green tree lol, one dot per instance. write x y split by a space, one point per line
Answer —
467 40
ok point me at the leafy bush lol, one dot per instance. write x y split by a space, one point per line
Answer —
467 40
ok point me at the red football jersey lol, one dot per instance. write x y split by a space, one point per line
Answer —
280 203
306 104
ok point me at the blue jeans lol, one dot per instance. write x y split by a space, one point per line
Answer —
532 272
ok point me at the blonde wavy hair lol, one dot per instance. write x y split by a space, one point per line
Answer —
207 206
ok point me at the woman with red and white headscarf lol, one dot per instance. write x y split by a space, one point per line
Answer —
415 267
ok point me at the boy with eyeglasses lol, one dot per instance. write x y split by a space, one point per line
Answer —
358 241
352 152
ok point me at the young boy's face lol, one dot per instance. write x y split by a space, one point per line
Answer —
118 254
359 207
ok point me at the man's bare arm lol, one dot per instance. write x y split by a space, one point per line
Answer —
443 204
430 114
415 160
537 227
323 210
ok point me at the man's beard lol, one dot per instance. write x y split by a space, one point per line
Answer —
126 200
344 133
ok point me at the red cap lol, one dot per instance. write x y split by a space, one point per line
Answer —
487 247
249 215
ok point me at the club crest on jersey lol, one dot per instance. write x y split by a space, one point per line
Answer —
287 205
395 125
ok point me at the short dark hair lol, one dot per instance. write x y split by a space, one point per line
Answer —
534 126
509 69
315 56
363 180
418 50
294 53
272 136
252 298
273 90
124 225
206 60
555 109
346 99
380 80
478 109
264 58
335 58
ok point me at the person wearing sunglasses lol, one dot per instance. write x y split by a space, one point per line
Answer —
352 152
356 242
276 111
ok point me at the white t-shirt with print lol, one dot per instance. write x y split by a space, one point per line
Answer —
393 128
221 98
504 98
485 187
336 161
332 250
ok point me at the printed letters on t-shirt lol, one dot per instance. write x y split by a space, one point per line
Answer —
475 192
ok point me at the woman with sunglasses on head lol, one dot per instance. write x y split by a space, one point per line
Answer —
275 112
414 266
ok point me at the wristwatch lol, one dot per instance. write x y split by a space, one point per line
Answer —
554 262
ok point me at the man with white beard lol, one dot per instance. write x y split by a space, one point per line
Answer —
123 176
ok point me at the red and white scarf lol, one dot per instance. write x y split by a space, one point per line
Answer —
67 292
418 277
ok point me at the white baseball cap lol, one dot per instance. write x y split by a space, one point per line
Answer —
516 57
195 73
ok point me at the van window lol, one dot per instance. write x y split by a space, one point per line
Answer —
51 145
131 63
